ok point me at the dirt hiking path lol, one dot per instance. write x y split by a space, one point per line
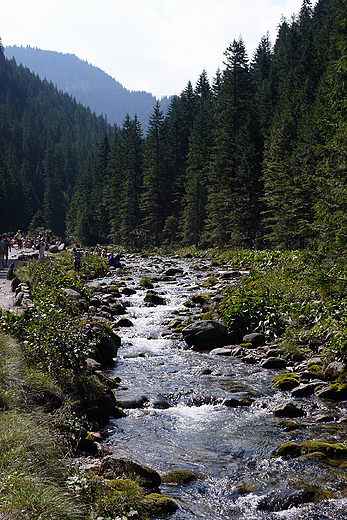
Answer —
6 295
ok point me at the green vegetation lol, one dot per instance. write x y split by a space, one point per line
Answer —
289 297
53 335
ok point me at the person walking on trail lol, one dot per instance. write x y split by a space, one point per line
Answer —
18 238
41 250
76 259
7 242
2 253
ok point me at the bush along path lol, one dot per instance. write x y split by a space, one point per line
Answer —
61 338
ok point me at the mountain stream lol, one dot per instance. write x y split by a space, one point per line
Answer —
229 448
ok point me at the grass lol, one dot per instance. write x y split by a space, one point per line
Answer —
32 474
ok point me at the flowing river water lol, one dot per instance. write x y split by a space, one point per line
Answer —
229 448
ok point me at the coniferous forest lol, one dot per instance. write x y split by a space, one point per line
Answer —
254 158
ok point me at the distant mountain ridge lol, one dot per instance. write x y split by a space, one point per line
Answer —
88 84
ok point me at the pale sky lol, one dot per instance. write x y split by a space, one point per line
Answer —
151 45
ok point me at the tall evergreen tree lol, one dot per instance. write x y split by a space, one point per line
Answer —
200 143
234 173
331 181
126 183
154 196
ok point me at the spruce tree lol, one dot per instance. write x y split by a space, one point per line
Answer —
154 194
200 144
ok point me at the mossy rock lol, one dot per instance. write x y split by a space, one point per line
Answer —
287 425
177 330
179 477
114 290
286 381
199 299
154 298
210 282
245 345
339 391
124 322
175 323
315 370
288 449
156 504
121 484
315 455
146 282
333 451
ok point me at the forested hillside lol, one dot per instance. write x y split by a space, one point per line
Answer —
88 84
254 158
45 137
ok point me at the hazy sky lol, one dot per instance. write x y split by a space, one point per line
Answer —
151 45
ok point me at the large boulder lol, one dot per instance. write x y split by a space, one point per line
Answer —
257 339
107 349
205 334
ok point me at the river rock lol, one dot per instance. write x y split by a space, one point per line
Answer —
336 392
173 271
278 503
124 322
107 349
274 362
70 293
289 410
154 298
235 402
257 339
53 249
179 477
222 351
112 467
204 334
288 449
334 369
304 389
128 291
15 283
158 505
95 302
161 404
10 272
237 351
133 404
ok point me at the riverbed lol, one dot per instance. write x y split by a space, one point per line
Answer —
183 424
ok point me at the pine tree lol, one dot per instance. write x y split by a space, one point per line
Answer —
154 195
126 183
234 171
331 180
200 144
